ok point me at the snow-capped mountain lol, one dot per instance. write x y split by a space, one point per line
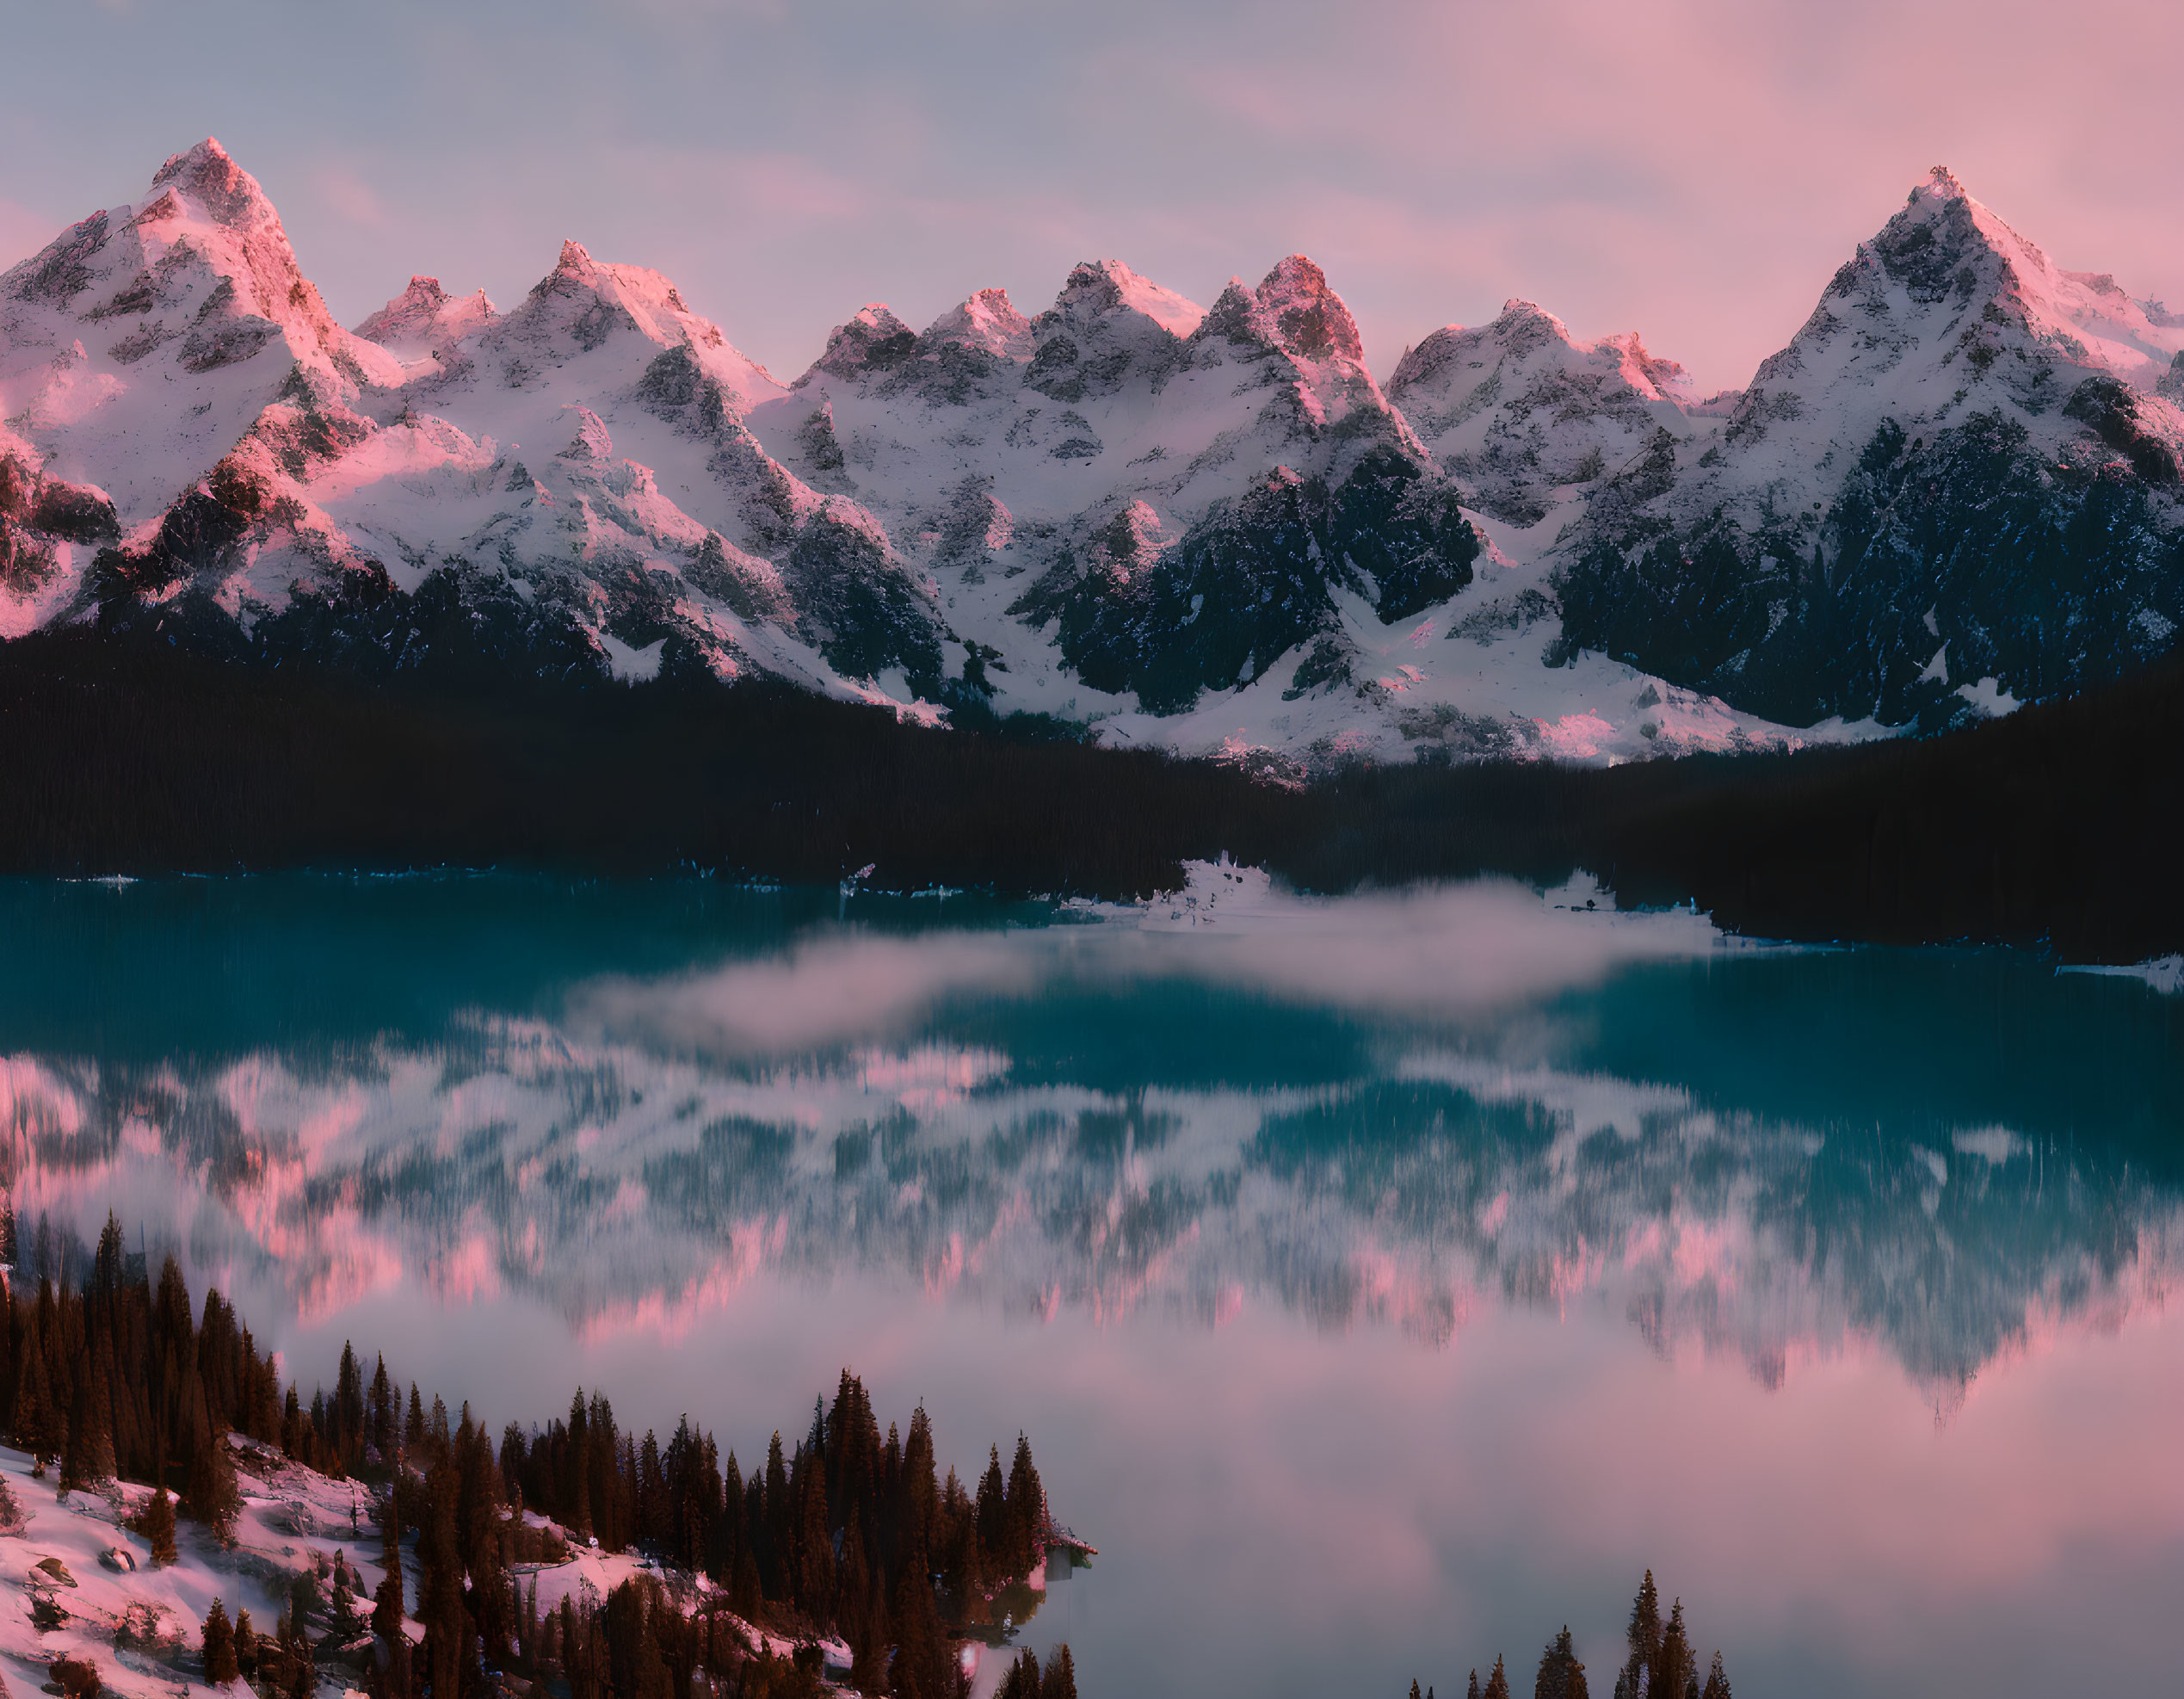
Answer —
1162 500
1204 528
1959 481
169 374
1518 411
225 461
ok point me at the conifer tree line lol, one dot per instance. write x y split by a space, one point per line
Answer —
849 1531
1661 1663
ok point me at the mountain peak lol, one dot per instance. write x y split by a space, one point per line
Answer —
425 317
586 301
1309 315
1097 288
1292 310
987 320
229 195
1516 310
1948 255
1942 184
873 340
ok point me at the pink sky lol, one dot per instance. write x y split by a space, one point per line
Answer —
1693 170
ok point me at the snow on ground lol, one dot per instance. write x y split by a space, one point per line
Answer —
1461 681
142 1624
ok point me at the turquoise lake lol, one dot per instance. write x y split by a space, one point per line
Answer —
1382 1284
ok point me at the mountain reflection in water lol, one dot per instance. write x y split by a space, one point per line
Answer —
1387 1115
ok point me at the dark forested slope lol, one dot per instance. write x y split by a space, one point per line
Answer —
2056 826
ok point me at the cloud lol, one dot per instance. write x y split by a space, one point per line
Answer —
795 188
351 197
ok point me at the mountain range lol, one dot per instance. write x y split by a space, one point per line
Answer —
1208 528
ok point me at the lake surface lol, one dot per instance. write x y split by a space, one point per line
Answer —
1382 1284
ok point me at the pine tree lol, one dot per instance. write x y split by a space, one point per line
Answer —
212 1498
923 1668
156 1522
439 1582
1561 1676
382 1415
481 1538
348 1410
36 1422
1497 1685
1022 1680
1677 1667
1644 1635
1414 1694
1060 1679
993 1518
87 1458
220 1666
1026 1511
246 1645
1716 1682
815 1565
1471 1692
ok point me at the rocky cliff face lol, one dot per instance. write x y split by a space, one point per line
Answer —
1961 468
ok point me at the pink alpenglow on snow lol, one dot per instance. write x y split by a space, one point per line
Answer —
983 499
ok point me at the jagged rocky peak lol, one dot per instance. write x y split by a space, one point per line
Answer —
205 250
204 186
1519 410
583 301
1947 266
1295 307
1294 329
1098 291
1876 526
1107 324
963 355
987 322
227 194
592 442
972 352
627 329
1451 364
424 318
154 347
1644 371
873 341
